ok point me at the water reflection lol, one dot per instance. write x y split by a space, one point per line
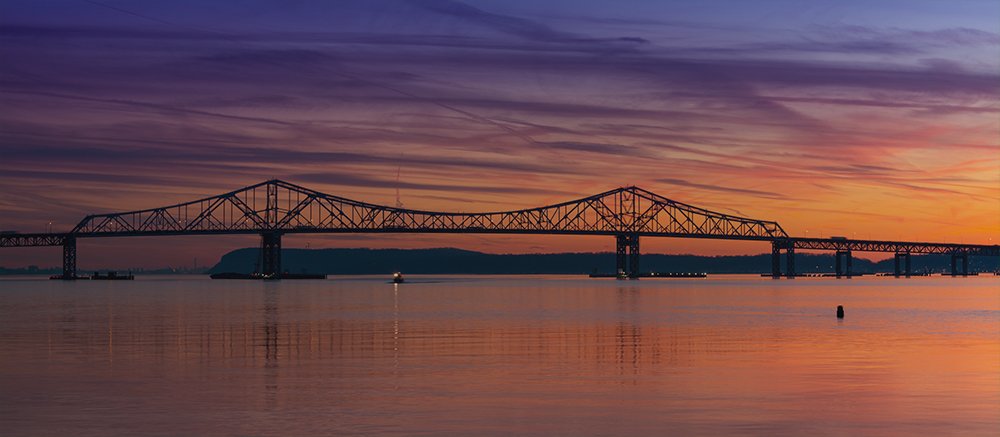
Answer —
395 335
270 314
629 334
500 356
632 337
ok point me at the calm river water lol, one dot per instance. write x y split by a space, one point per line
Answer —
522 355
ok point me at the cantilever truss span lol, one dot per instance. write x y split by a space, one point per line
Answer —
278 206
275 207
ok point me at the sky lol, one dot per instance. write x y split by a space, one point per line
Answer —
865 119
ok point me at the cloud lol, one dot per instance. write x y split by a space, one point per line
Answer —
719 188
163 108
93 151
358 180
945 37
618 150
503 23
468 99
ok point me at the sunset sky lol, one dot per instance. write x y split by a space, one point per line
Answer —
867 119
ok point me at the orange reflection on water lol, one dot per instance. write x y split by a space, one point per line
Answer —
542 355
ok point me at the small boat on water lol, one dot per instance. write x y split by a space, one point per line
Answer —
397 278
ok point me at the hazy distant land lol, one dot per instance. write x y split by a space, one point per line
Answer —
458 261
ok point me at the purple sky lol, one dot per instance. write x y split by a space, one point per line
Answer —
879 119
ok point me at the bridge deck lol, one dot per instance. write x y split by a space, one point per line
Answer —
831 244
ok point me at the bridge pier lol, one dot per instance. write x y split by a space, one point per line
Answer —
633 257
790 261
627 256
909 270
954 264
69 259
905 256
840 270
270 255
776 247
775 260
844 268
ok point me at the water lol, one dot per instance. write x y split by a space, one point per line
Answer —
539 355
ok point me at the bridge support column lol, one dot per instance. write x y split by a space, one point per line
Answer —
850 264
627 256
621 256
845 267
837 268
775 260
790 261
776 247
633 258
270 255
69 259
902 264
955 267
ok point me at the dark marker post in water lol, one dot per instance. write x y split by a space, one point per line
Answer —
840 311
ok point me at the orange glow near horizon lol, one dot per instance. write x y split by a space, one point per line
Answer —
835 129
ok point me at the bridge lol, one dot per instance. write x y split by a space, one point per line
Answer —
274 208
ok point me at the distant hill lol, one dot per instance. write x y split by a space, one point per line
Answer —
457 261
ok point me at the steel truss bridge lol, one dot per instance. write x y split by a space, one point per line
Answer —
275 208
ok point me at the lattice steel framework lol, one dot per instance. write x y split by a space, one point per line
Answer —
32 240
845 245
278 206
275 207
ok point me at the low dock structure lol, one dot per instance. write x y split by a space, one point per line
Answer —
263 277
97 276
664 275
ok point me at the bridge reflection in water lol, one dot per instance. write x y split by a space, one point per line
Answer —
468 356
275 208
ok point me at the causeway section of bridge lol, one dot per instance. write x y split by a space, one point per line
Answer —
275 208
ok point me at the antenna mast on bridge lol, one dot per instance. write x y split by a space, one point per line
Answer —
399 201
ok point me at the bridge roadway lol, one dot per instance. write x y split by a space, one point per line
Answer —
274 208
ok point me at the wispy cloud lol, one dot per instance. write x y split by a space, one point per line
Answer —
731 190
506 104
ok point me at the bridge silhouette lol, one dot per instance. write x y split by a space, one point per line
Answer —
274 208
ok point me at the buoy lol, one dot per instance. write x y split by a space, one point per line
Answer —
840 311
